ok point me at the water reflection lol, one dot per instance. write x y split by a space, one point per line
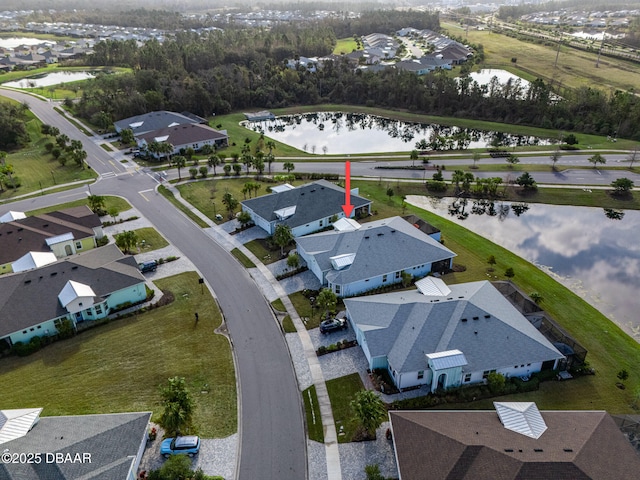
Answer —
594 256
347 133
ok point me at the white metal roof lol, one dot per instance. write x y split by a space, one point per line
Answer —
162 138
285 212
33 260
73 290
346 225
341 261
173 124
432 286
448 359
136 124
12 215
521 417
282 188
17 423
65 237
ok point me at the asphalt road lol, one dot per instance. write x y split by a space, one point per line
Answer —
271 426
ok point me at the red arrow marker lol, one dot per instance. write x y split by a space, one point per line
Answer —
347 208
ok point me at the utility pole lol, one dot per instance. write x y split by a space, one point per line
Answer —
555 64
604 34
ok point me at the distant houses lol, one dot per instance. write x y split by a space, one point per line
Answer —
181 130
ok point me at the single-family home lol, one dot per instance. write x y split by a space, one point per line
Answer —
515 441
375 254
61 233
185 136
82 288
305 209
91 447
443 336
151 121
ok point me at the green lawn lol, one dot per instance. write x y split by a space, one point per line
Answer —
312 410
278 305
242 258
118 203
120 366
287 325
303 307
341 392
345 45
610 349
149 239
263 254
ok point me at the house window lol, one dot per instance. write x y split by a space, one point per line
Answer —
98 309
321 222
24 331
485 374
338 289
420 374
79 245
31 329
467 377
397 275
384 278
39 326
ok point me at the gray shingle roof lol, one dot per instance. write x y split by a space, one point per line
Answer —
183 134
153 121
382 246
111 439
404 326
319 199
31 297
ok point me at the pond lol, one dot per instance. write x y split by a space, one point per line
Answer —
351 133
49 79
592 252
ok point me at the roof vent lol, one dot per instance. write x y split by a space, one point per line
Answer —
9 232
366 237
301 193
45 225
75 267
568 449
393 231
508 449
487 316
538 450
437 300
476 318
53 274
27 282
313 190
380 234
20 229
450 298
463 319
461 296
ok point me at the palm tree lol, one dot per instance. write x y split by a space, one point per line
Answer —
271 145
369 411
413 156
282 236
288 166
457 177
270 158
214 161
180 162
555 156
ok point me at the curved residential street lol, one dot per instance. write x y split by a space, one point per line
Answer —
271 426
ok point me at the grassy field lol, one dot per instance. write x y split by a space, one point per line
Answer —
610 349
120 366
118 203
315 431
345 45
341 392
575 68
37 169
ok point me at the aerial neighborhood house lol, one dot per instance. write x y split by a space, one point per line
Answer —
305 209
514 442
444 336
30 242
85 287
91 447
363 257
151 121
185 136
